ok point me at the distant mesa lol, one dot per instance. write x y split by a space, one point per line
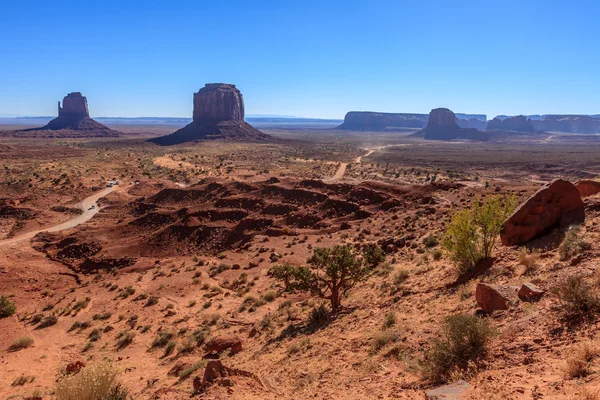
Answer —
568 123
520 123
218 114
442 125
378 121
73 121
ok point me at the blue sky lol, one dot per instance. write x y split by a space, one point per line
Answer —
305 58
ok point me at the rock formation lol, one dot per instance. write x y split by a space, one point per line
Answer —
520 123
73 121
568 123
375 121
442 125
557 204
493 297
587 187
218 114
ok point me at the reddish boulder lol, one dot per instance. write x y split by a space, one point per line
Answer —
557 204
529 291
74 367
222 343
492 298
587 187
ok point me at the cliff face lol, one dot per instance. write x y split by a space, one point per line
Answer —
218 102
74 106
568 123
520 123
218 114
375 121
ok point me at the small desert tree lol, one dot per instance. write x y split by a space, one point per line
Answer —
332 273
7 307
472 234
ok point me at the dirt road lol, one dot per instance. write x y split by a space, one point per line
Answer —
80 219
339 174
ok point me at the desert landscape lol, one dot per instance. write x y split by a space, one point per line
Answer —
297 262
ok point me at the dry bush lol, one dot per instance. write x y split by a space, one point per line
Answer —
579 362
93 382
586 394
7 307
384 338
463 341
22 342
528 259
573 244
577 298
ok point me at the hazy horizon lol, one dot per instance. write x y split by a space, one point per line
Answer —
308 59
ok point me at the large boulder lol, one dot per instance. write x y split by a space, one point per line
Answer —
492 297
218 114
442 125
520 123
221 343
555 205
587 187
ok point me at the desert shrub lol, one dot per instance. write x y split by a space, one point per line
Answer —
334 271
162 338
169 348
572 243
382 339
577 298
430 241
93 382
269 296
579 362
373 255
124 339
319 317
152 300
95 335
102 317
7 307
471 235
464 339
22 342
400 276
528 258
48 321
390 320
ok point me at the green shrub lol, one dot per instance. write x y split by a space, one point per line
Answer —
384 338
7 307
152 300
472 234
373 255
573 244
48 321
464 339
319 317
162 338
124 339
390 320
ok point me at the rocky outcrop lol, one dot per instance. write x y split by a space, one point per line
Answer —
587 187
73 121
568 123
529 292
218 114
556 205
376 121
520 123
222 343
442 125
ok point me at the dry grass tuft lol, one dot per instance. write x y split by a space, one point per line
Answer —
579 362
94 382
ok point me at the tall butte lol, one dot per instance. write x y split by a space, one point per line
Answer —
74 117
218 114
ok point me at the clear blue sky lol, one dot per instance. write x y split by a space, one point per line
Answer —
305 58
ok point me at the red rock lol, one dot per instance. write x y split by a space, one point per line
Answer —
557 204
221 343
529 291
74 367
491 297
587 187
442 125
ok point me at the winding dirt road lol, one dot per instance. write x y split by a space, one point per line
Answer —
87 214
339 174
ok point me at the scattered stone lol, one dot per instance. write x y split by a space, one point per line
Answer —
221 343
454 391
557 204
74 367
529 291
492 297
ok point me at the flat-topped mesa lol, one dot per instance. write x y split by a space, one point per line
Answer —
218 114
74 105
218 102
